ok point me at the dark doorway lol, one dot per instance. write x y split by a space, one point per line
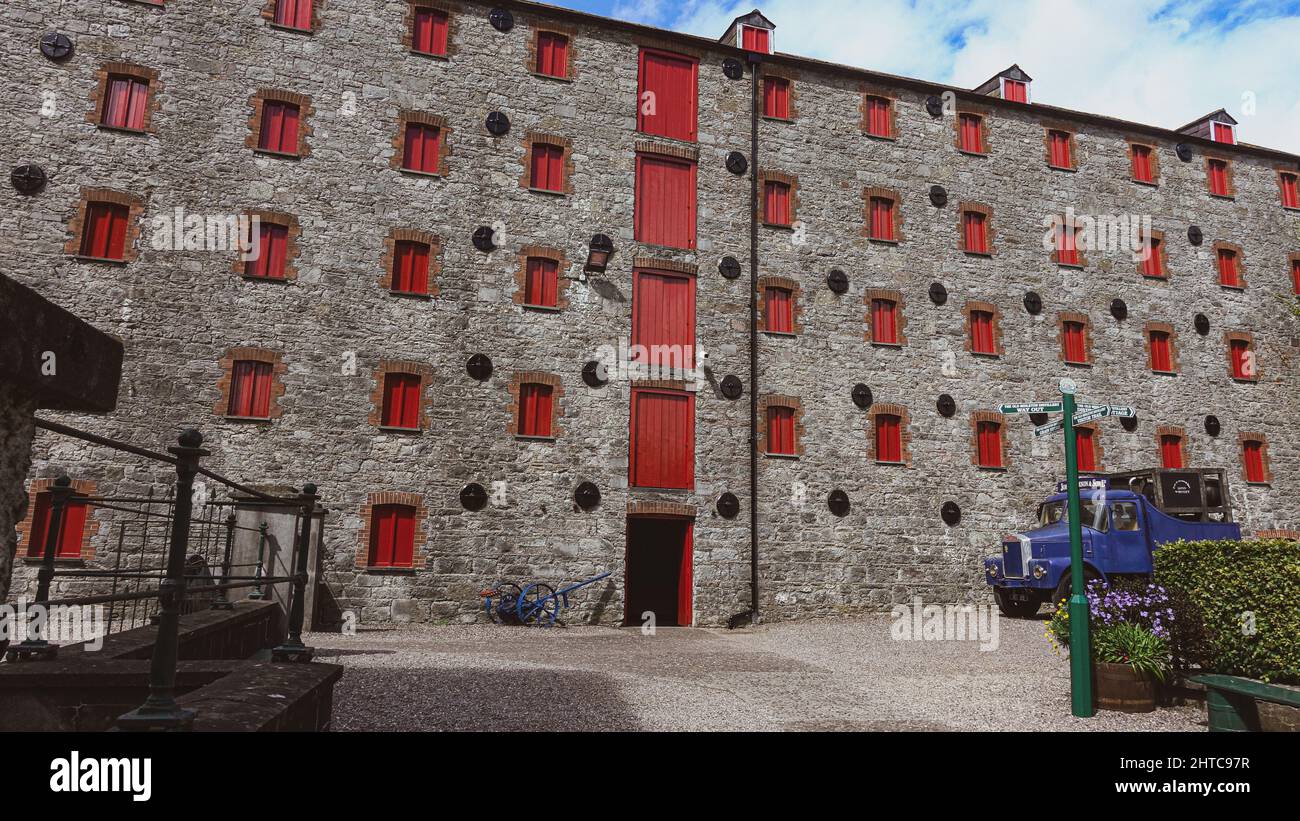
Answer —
658 574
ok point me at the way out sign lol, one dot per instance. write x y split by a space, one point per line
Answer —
1027 407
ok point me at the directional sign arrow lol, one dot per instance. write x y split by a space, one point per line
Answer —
1050 427
1123 410
1025 407
1089 415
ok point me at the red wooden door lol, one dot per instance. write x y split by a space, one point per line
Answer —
663 318
666 101
662 449
665 201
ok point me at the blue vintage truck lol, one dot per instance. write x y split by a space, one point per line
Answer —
1126 517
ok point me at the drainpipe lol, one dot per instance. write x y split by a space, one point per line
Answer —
754 61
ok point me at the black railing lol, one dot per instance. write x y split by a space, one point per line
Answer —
149 582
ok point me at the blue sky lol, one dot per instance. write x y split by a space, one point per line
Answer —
1163 62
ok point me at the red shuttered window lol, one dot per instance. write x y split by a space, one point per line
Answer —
279 127
1152 261
1143 168
392 536
666 100
420 152
780 431
71 529
981 333
1229 269
1015 91
410 267
429 35
988 441
1171 451
250 390
1217 171
401 401
663 439
1067 246
778 310
547 167
880 118
1059 149
1290 191
542 285
972 138
1223 133
552 54
755 39
1241 359
663 319
294 14
975 233
1162 352
1085 447
1074 342
103 232
882 219
884 321
665 201
1295 276
125 103
272 252
889 438
1252 455
535 406
776 98
776 203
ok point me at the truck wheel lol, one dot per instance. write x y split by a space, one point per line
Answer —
1014 609
1063 586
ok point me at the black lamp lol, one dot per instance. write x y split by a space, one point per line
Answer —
600 250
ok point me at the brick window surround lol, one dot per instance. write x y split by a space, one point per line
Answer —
904 430
1283 175
1228 172
900 315
1063 221
399 141
780 401
408 30
1073 142
1172 430
77 225
397 235
1292 535
675 510
570 36
81 487
1240 256
411 500
292 247
1165 328
989 308
876 192
268 14
864 110
565 144
385 367
766 176
796 308
984 131
791 78
998 419
1249 339
99 97
1155 161
259 100
521 276
1250 436
990 233
1081 318
535 378
227 365
1162 249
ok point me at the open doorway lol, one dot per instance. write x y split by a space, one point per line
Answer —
657 578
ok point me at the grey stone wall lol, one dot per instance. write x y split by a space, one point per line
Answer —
16 430
180 311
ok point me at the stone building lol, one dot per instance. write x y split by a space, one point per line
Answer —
433 184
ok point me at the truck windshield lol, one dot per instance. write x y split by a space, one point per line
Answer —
1094 515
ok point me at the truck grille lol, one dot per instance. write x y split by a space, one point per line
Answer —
1013 563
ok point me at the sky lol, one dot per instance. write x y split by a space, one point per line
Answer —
1160 62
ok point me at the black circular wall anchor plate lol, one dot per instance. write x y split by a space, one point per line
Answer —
479 367
732 388
934 105
473 496
938 293
1184 152
593 374
1128 423
501 19
56 45
946 405
729 267
1202 324
485 239
1038 419
736 163
733 68
497 124
728 505
938 196
1194 235
1212 425
1033 303
838 502
28 178
862 396
586 495
1118 309
950 513
837 281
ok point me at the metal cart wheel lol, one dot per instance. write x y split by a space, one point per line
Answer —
538 605
505 607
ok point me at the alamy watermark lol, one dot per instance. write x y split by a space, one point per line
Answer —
181 230
1102 232
952 622
59 624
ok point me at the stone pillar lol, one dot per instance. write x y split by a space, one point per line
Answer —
16 432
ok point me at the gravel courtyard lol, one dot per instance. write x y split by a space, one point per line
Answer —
821 675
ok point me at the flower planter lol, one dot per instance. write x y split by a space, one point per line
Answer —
1120 688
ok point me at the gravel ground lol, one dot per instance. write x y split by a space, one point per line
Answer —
814 675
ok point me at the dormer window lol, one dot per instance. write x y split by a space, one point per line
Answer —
1017 91
1223 133
756 39
751 32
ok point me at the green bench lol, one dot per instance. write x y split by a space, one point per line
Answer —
1230 701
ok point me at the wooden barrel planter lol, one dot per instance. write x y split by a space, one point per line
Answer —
1120 688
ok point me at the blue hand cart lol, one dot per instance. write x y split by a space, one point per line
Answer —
537 604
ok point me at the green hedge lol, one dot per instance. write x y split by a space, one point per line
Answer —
1215 586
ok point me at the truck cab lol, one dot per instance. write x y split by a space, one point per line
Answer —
1125 519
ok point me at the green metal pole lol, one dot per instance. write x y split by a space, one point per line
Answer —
1080 646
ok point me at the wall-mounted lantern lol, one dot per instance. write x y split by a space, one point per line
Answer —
599 251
